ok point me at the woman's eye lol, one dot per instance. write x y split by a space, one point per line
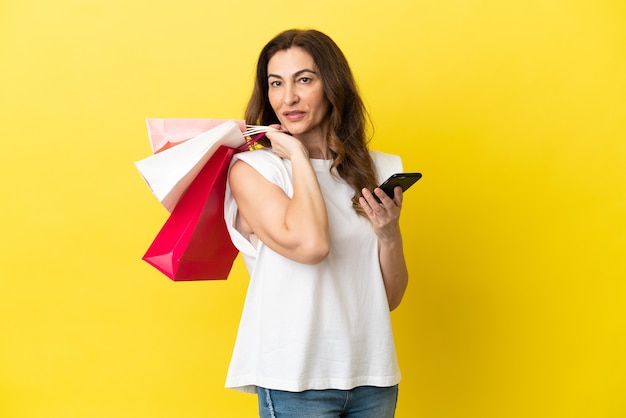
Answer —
275 83
305 80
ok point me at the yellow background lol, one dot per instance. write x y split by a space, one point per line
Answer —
515 111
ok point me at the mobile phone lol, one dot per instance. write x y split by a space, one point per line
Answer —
404 180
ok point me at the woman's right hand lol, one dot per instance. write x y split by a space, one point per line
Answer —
285 145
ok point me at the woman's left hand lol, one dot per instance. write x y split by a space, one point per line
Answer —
385 214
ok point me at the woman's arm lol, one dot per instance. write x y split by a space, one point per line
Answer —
296 227
385 217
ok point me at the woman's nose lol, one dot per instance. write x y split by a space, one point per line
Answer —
291 95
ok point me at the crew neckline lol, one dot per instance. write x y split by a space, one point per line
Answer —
318 163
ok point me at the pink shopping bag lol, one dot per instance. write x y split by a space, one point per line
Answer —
165 133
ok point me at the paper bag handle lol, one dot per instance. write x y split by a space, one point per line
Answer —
248 144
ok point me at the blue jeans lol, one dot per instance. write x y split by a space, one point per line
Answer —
360 402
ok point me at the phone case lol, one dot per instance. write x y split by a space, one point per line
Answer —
404 180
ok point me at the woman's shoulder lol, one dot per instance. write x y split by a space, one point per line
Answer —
261 159
258 156
385 164
268 164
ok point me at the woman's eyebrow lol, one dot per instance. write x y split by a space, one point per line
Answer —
296 74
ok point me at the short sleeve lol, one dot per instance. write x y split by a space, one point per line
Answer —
385 165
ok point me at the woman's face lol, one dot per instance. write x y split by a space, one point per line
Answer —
296 93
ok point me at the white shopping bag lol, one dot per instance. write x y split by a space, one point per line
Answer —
170 171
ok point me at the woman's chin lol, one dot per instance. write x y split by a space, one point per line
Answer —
291 127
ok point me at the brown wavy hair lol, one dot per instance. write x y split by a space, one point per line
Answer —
347 139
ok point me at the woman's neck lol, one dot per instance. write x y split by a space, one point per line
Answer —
316 144
319 152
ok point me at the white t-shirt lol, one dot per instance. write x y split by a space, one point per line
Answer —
323 326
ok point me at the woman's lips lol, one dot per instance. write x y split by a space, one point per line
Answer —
294 116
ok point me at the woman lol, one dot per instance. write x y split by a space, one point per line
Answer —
325 257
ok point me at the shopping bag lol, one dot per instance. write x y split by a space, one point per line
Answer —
165 133
194 243
170 172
